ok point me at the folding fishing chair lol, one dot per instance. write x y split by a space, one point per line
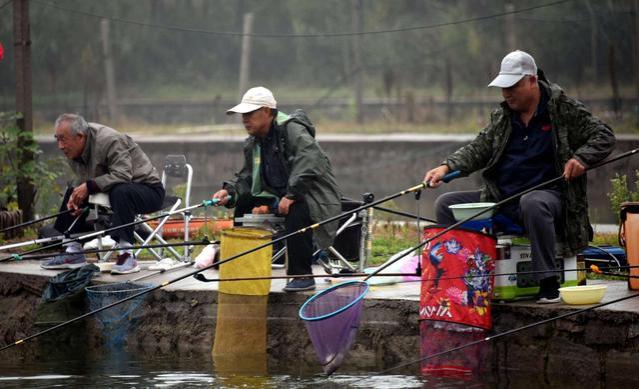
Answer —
174 166
351 246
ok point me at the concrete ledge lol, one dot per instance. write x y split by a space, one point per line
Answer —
182 317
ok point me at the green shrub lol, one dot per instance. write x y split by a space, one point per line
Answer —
42 173
622 192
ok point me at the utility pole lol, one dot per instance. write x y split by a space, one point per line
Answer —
510 26
636 12
22 47
358 22
593 41
245 59
109 72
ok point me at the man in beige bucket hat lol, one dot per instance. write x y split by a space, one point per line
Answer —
287 173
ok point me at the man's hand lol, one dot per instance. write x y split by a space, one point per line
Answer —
285 204
222 196
434 177
573 169
79 194
261 210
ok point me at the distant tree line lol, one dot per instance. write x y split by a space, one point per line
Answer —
576 42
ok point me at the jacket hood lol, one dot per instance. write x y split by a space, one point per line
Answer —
298 116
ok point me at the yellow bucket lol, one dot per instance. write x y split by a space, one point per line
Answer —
256 264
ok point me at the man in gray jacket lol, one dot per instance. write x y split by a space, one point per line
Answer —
538 133
106 161
285 172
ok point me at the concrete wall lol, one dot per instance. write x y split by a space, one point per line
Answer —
597 348
380 164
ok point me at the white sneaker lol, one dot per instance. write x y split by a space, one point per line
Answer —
107 243
165 264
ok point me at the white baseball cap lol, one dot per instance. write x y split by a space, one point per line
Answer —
514 67
253 99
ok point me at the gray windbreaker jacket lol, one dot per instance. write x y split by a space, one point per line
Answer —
111 158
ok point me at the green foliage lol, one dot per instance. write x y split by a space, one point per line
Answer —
42 173
622 192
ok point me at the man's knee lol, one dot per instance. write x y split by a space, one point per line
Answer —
533 202
118 192
443 201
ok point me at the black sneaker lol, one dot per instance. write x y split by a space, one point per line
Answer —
299 285
548 291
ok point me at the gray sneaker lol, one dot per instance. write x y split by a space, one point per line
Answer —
126 264
65 261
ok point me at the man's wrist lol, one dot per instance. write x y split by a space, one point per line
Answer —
92 187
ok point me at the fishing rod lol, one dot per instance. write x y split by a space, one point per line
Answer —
496 205
65 235
422 185
201 277
204 241
597 270
393 211
204 203
38 220
505 333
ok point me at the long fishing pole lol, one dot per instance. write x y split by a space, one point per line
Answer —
423 185
505 333
496 205
598 270
398 213
35 221
19 257
204 203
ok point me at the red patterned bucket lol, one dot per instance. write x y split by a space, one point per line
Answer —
456 282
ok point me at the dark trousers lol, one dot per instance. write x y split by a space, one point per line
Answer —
299 247
539 212
127 200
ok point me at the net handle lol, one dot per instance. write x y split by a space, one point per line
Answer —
324 292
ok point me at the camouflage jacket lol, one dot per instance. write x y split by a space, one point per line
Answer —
577 134
309 170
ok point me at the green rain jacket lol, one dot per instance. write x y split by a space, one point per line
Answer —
578 134
310 175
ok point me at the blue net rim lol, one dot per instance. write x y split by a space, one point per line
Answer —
109 288
328 290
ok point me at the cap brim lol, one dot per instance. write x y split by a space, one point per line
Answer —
506 80
243 108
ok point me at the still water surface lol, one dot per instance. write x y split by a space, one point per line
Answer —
119 368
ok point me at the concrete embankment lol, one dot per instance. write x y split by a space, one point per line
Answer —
601 345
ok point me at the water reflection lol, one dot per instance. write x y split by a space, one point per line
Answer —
239 348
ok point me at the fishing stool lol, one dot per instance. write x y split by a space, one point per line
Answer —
352 240
515 257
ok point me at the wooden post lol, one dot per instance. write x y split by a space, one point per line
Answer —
245 59
22 48
636 12
593 41
109 72
616 100
358 22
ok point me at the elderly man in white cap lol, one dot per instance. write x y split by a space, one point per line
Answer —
287 173
537 134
